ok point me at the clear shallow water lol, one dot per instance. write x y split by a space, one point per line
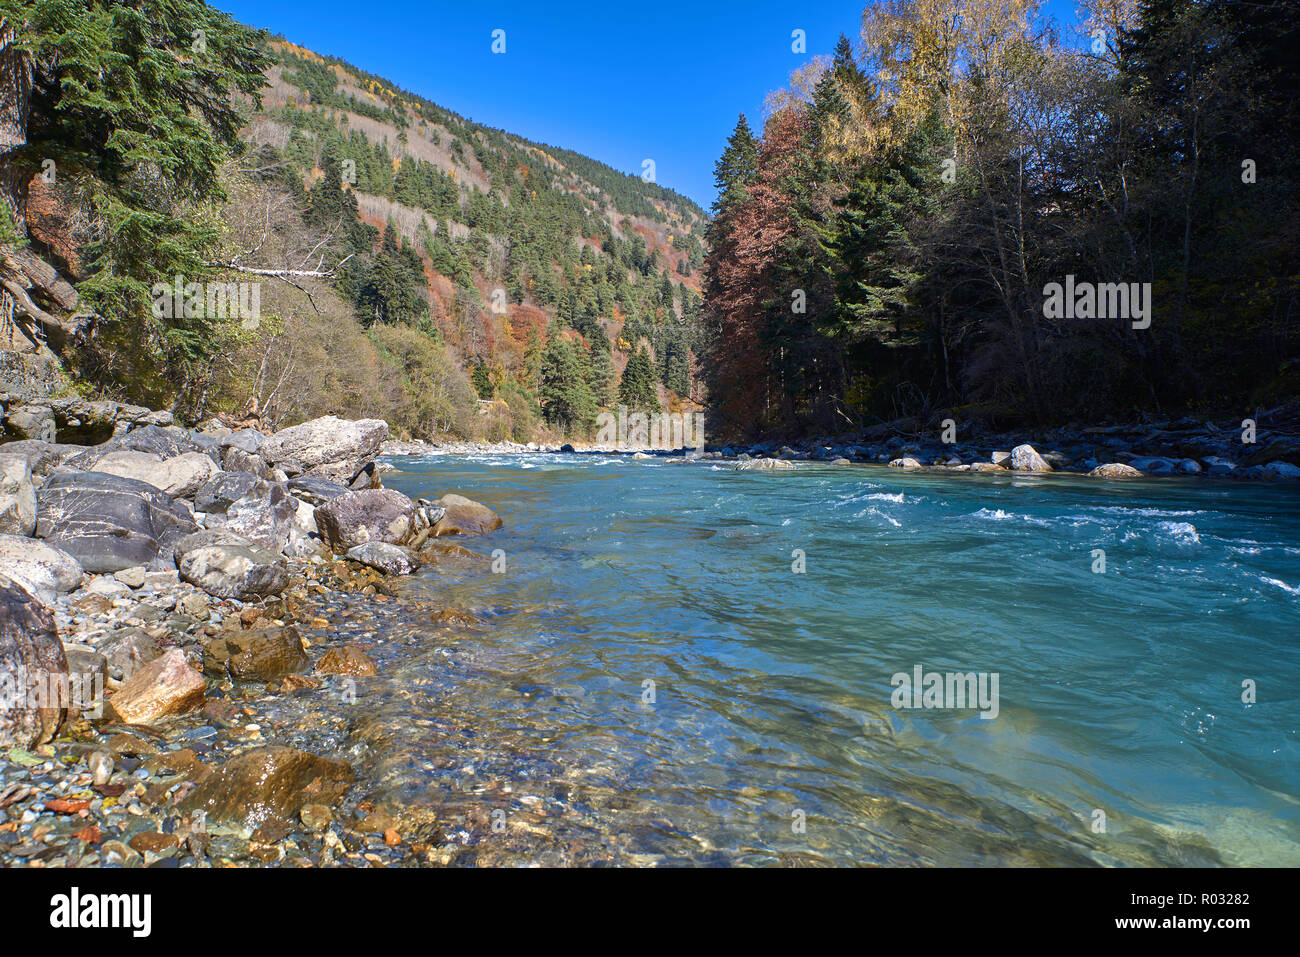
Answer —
1118 691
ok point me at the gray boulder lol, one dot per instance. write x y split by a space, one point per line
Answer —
1154 465
106 522
762 465
31 422
329 447
224 489
204 538
1281 471
246 440
23 557
43 457
32 670
1216 466
17 495
233 568
265 516
166 443
316 490
374 515
236 459
179 476
1115 470
389 559
1025 458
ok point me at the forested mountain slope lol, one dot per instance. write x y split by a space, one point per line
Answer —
409 263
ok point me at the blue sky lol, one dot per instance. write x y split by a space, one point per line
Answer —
620 82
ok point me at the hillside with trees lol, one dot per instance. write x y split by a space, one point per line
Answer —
882 248
412 264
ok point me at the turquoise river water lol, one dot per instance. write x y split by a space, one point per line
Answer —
652 666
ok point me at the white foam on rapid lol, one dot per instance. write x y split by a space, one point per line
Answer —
999 515
879 514
1281 584
1184 533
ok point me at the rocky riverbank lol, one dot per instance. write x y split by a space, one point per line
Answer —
1184 447
160 592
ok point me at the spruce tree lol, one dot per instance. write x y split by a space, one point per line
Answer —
636 389
567 402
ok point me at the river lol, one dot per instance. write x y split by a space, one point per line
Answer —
677 663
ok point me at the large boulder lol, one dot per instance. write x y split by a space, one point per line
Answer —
1281 471
374 515
267 784
236 459
230 566
463 516
180 476
246 440
329 447
316 490
43 457
1025 458
224 489
33 670
22 557
1154 465
165 686
164 442
761 465
86 418
1115 470
106 522
17 495
265 516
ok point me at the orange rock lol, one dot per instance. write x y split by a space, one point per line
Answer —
348 660
164 686
153 841
392 838
66 805
90 834
297 682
